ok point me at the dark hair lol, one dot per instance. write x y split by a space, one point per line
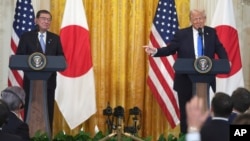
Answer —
38 14
222 105
242 119
4 112
241 99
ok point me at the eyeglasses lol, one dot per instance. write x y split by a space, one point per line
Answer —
45 19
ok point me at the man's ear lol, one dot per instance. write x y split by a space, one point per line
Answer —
36 21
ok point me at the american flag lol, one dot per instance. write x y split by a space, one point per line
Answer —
161 73
23 22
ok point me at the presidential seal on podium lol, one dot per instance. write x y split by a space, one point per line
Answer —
37 61
203 64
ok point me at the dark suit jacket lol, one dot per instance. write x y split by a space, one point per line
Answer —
215 130
232 116
183 45
9 137
29 43
17 127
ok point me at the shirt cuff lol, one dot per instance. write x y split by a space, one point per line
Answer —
193 136
153 54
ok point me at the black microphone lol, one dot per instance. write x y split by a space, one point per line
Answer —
200 31
201 35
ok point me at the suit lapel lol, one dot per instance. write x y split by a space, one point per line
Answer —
190 45
207 38
35 41
48 42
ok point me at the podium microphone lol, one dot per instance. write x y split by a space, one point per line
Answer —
200 31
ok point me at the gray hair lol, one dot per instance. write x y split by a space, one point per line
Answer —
14 97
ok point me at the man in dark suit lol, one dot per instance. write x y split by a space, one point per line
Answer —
217 128
15 99
4 112
185 45
48 43
241 101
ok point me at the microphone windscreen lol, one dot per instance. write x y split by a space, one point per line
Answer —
200 31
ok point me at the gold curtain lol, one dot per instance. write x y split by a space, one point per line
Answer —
118 30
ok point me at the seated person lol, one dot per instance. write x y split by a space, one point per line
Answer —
241 102
15 99
242 119
4 112
217 129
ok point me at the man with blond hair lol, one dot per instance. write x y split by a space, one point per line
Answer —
185 45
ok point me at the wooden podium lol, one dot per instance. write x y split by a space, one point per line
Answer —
37 115
201 80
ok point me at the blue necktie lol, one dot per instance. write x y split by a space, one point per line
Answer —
42 42
199 45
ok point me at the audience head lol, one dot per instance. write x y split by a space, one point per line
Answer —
222 105
242 119
4 112
14 97
241 99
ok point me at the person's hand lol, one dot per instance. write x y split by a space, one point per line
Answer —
150 50
196 115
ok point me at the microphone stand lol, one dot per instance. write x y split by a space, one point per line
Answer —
119 133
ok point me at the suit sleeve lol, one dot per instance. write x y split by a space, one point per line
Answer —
171 48
21 48
220 50
23 131
59 47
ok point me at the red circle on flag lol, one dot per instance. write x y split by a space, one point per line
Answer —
76 47
229 38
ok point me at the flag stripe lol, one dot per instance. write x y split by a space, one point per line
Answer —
13 46
161 73
166 107
17 78
164 80
164 90
23 22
